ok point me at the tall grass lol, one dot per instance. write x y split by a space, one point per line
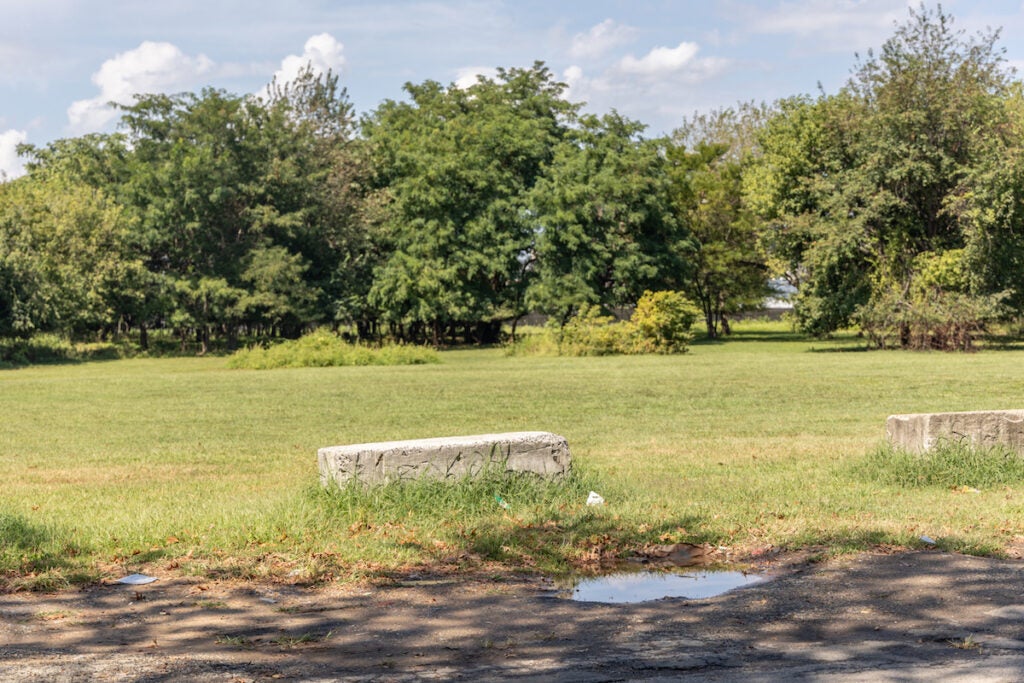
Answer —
180 464
322 349
951 463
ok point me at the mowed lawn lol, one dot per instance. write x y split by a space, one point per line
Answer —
184 465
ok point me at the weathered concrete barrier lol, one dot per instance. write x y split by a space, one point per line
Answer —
921 432
454 457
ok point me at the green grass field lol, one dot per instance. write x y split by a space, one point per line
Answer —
185 465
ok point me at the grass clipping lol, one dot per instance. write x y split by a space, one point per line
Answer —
322 349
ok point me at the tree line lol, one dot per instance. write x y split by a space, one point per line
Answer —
894 204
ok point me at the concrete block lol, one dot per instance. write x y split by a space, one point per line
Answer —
541 453
920 432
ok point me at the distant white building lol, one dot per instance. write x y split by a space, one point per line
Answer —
783 295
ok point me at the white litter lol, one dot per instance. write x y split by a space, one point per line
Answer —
136 579
928 540
595 499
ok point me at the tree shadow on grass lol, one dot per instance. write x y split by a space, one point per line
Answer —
17 355
33 556
839 342
559 546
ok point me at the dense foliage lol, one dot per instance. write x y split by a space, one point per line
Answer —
660 323
891 201
894 204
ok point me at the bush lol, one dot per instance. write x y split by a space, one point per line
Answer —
945 321
589 333
663 321
937 311
660 324
325 349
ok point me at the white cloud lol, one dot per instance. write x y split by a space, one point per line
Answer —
466 77
577 83
321 52
600 39
658 86
660 60
149 68
10 164
844 25
812 17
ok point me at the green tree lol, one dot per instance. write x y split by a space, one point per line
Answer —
278 296
456 166
62 249
319 175
25 296
729 268
249 208
606 229
861 183
989 210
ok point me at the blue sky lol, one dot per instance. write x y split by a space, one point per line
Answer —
658 61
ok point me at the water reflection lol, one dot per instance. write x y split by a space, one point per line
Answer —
644 586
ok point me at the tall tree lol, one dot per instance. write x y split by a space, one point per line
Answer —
318 175
111 289
860 184
249 207
457 165
606 229
729 270
64 242
989 209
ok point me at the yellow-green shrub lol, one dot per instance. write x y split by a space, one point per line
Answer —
323 348
663 321
660 324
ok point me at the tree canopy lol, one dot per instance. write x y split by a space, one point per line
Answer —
894 204
867 189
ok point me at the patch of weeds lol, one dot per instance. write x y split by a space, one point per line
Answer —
323 348
463 498
542 525
54 615
236 641
968 643
212 604
302 609
660 323
42 349
965 547
287 642
42 582
950 464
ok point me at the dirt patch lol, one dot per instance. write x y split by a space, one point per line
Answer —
875 616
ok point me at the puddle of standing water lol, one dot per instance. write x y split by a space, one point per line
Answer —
646 585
